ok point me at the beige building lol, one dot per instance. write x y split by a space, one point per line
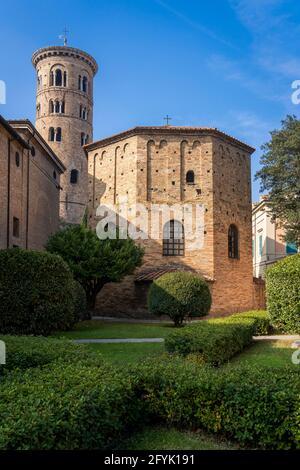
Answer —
29 186
268 245
64 117
179 165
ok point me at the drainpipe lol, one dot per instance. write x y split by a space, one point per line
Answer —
8 192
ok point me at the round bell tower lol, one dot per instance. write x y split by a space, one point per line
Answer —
64 117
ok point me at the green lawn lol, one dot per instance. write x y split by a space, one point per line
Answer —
104 329
163 438
265 353
127 353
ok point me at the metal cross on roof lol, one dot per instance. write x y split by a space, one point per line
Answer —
64 36
167 119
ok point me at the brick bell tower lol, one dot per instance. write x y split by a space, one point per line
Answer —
64 117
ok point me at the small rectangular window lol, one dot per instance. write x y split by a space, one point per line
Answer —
16 227
260 245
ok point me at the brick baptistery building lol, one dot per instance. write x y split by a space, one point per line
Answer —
169 165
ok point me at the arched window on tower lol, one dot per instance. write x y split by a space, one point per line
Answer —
173 238
233 242
62 107
58 134
58 77
57 107
84 139
51 134
74 176
51 107
65 78
79 82
51 78
84 84
190 177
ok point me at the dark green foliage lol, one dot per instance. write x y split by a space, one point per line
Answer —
262 321
257 407
36 293
80 303
66 406
180 295
280 176
283 294
23 352
214 341
95 262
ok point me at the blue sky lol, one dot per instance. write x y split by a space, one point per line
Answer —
225 63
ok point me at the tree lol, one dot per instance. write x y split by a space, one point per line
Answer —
95 262
280 176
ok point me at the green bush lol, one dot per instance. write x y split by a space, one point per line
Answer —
179 295
215 341
257 407
66 406
262 321
36 293
283 294
80 303
23 352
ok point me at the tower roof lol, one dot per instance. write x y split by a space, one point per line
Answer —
66 51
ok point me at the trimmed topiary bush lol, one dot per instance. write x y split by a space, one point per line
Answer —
283 294
180 295
80 302
36 293
24 352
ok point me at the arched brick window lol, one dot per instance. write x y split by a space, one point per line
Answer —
58 134
173 239
233 242
58 77
51 134
74 176
190 177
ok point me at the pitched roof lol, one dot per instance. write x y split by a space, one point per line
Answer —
167 130
13 132
27 124
150 274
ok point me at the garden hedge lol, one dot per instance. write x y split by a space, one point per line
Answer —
36 293
180 295
66 406
283 294
23 352
215 341
257 407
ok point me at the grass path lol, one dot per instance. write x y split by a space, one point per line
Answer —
164 438
97 329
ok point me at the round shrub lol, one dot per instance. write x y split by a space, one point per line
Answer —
283 294
80 303
36 293
179 295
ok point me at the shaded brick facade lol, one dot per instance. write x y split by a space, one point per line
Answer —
29 187
149 165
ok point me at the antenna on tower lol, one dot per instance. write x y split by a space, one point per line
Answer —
64 36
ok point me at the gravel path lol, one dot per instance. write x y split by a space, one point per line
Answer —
119 340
